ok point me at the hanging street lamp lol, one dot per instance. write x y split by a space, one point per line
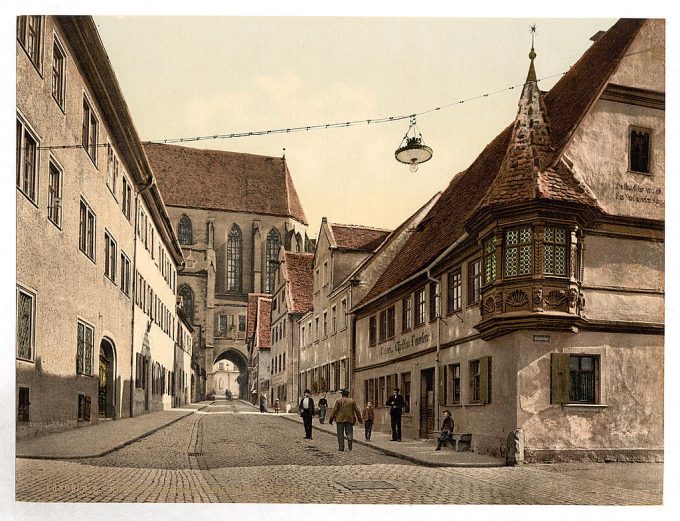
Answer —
411 150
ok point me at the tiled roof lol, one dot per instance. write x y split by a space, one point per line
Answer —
300 275
252 313
264 319
357 238
215 179
566 104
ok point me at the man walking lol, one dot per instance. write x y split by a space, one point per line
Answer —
396 404
345 413
306 407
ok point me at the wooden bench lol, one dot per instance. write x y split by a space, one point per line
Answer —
461 441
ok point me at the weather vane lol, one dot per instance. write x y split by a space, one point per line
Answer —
532 30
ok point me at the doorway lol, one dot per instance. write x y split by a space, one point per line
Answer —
426 402
106 379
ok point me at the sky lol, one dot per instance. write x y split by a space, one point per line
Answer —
197 76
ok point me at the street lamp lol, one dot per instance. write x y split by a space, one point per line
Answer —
413 152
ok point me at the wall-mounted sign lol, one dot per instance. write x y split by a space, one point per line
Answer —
541 338
405 343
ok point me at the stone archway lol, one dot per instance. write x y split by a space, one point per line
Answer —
107 379
241 362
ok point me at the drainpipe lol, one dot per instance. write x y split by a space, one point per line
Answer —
134 292
436 357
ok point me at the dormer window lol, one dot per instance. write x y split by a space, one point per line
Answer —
639 153
518 251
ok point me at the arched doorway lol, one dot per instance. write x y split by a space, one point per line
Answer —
107 382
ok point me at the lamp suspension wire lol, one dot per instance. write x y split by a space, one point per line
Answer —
305 128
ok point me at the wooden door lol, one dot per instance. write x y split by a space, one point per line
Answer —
426 402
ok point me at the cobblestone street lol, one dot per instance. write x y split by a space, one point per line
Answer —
230 453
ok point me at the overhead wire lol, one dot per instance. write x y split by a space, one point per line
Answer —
305 128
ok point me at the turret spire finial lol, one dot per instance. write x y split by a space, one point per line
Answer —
531 76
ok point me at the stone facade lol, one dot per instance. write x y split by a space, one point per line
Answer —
539 320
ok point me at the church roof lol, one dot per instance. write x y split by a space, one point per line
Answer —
300 276
562 108
219 180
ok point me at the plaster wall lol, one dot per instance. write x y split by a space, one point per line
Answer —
66 284
630 410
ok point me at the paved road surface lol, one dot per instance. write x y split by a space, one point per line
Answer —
231 453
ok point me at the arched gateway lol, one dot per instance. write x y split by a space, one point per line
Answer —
241 362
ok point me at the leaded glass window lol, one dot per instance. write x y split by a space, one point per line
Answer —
25 325
518 251
185 231
234 259
85 348
555 251
489 260
271 256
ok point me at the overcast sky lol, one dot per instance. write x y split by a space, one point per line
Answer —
194 76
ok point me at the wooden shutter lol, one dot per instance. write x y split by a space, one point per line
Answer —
484 379
559 378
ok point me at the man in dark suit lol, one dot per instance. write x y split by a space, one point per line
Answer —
396 404
306 407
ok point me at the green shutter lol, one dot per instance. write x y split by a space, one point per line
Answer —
559 378
484 379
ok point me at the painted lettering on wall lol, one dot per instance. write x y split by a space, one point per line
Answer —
635 193
405 343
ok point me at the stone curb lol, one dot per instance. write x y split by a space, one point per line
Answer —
117 447
403 456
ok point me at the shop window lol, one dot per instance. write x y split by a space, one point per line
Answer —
518 251
639 154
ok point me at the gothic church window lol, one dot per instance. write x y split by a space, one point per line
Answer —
271 256
187 302
234 259
185 231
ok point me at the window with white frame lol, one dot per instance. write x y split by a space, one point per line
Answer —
87 230
85 348
334 319
127 198
112 170
27 161
54 198
344 312
454 300
25 324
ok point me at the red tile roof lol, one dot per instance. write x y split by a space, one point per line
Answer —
264 325
357 238
300 275
219 180
566 104
251 313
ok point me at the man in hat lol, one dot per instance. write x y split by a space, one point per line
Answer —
345 412
396 404
306 407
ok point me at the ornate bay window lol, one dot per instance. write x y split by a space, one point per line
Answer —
517 252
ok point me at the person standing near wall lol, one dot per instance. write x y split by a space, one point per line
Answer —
306 407
345 412
323 407
368 414
396 404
